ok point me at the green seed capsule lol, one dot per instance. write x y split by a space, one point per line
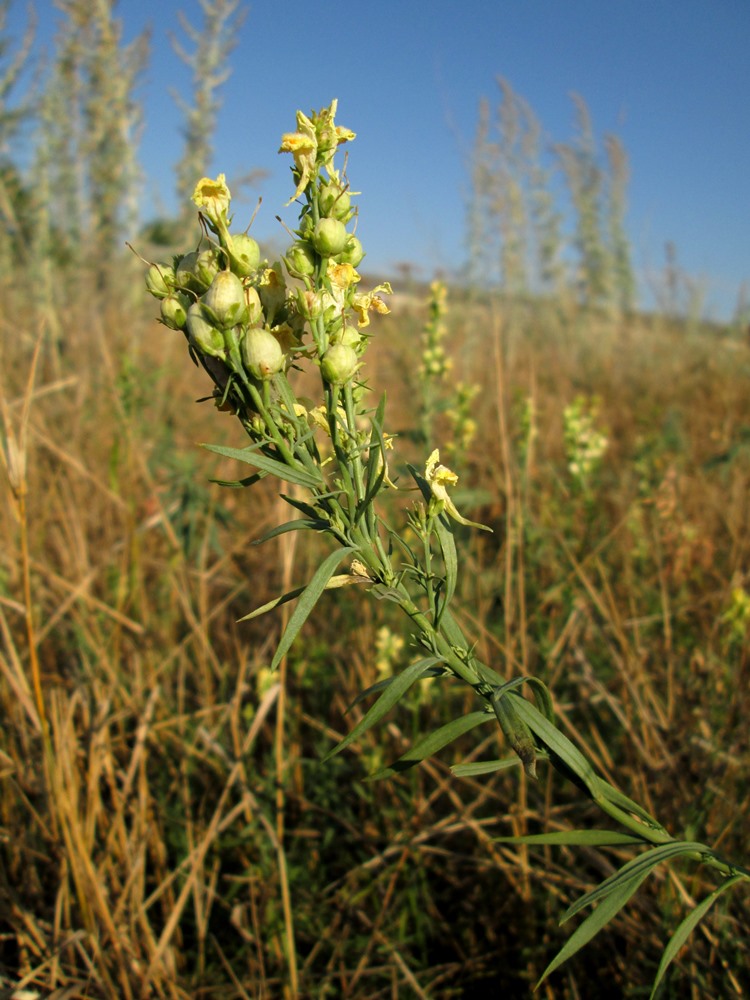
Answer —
339 363
329 237
262 353
352 252
244 255
174 309
225 300
160 280
204 336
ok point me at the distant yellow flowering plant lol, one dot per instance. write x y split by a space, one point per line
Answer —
253 324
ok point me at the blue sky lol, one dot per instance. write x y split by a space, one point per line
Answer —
670 77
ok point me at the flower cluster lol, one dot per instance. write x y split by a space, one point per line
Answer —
585 445
248 320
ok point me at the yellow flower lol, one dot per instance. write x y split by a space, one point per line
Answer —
213 197
439 478
303 145
365 302
342 275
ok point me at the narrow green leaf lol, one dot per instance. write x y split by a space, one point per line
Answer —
591 926
381 685
236 484
542 697
398 687
687 927
480 767
575 838
643 863
558 744
270 466
450 560
432 743
275 603
297 525
618 798
307 602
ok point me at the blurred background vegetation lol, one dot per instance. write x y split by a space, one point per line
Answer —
146 810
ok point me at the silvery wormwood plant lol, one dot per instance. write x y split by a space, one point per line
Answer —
251 324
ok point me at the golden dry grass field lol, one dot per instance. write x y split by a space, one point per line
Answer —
144 784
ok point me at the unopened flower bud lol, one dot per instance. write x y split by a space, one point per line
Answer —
244 255
299 260
204 336
160 280
352 252
339 363
329 237
174 309
335 201
225 300
262 353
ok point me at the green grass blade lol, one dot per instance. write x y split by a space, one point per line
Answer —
398 687
432 743
270 466
643 863
687 927
591 926
307 601
575 838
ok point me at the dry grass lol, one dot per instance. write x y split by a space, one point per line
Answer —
139 818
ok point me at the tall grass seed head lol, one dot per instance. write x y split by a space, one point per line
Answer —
244 255
262 353
203 334
174 310
339 364
225 300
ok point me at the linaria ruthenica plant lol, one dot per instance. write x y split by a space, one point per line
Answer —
253 326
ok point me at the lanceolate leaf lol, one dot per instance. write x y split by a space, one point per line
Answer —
575 838
381 685
643 864
271 466
558 744
399 685
432 743
591 926
450 560
687 927
477 768
275 603
282 529
307 602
